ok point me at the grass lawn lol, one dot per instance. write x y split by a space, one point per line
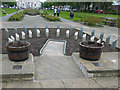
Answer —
7 10
79 15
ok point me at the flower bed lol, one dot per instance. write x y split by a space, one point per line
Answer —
31 11
49 17
16 17
92 21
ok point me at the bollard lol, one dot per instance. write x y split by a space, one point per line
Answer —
23 35
101 36
99 41
25 30
70 30
30 34
84 37
46 27
7 33
47 32
67 34
58 27
76 35
17 37
58 33
35 30
93 33
12 38
114 43
92 39
107 40
15 30
38 33
81 32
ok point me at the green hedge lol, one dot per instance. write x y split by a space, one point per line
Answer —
49 17
31 11
16 17
52 18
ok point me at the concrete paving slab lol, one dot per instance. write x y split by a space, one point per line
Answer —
52 84
108 68
56 68
25 73
22 84
53 48
80 83
107 82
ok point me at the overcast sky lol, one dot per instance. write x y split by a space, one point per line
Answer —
42 0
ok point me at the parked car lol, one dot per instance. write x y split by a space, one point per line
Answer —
75 10
97 11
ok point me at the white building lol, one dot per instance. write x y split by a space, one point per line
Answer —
34 4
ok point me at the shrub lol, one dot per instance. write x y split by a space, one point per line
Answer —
49 17
52 18
16 17
92 21
32 11
118 23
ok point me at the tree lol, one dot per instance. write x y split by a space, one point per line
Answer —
11 4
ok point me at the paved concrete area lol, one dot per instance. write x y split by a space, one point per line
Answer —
26 72
56 67
30 21
109 65
53 65
100 82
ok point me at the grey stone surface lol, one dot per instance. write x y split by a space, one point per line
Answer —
107 82
54 48
21 84
56 67
52 84
108 68
80 83
8 73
